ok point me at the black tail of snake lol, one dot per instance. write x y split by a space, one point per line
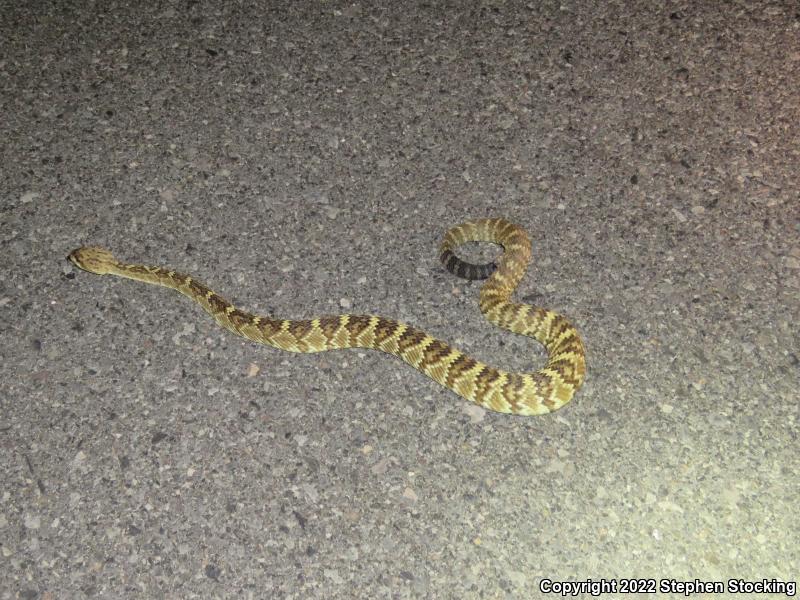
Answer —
540 392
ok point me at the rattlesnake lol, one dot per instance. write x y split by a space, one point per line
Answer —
534 393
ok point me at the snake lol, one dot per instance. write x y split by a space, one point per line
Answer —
530 393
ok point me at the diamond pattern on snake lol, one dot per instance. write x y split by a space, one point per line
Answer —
535 393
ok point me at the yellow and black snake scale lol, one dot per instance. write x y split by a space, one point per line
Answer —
536 393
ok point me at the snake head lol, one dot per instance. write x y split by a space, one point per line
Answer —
93 259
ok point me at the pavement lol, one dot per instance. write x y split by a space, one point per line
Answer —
305 158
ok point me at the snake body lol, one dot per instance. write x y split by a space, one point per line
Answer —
535 393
